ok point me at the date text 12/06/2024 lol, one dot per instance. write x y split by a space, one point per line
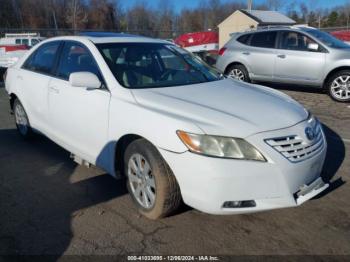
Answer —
173 258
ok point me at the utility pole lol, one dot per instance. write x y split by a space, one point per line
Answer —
319 21
250 4
54 19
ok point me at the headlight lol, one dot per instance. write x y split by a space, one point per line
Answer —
313 121
217 146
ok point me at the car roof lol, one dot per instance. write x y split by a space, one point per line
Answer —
110 38
274 28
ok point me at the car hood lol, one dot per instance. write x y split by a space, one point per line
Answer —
225 107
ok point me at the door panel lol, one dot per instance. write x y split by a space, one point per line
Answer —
33 79
34 92
299 66
261 63
79 118
261 55
78 115
295 63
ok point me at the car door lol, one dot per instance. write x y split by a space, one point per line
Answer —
295 62
78 116
261 55
33 80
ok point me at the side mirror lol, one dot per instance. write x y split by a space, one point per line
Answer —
84 79
313 47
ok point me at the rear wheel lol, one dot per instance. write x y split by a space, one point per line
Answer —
150 182
339 86
238 72
21 119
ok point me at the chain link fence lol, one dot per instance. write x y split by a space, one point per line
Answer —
51 32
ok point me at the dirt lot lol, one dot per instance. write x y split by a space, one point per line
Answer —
49 205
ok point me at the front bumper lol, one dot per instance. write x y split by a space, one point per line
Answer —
206 183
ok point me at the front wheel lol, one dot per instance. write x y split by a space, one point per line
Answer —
150 182
238 72
339 86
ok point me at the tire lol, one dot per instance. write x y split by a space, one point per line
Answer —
167 196
2 72
22 121
338 86
238 72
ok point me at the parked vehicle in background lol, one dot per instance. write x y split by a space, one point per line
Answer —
343 35
203 44
173 126
9 55
293 55
28 39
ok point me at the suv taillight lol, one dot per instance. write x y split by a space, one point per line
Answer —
222 51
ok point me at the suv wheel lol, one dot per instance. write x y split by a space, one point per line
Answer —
21 119
150 182
339 86
238 72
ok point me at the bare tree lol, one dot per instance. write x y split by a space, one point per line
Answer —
346 10
76 14
161 21
275 4
165 19
102 14
141 19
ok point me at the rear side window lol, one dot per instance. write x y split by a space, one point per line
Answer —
43 59
34 42
244 39
25 41
76 58
264 39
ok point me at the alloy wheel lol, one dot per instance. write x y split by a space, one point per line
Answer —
340 87
237 74
141 180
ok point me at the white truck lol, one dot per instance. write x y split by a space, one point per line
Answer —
28 39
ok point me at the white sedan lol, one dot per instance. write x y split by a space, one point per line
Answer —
152 112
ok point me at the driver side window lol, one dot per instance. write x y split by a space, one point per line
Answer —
76 58
291 40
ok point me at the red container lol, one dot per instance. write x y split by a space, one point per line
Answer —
10 48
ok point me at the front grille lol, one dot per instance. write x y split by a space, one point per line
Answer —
295 148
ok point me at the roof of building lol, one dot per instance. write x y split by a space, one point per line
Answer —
268 17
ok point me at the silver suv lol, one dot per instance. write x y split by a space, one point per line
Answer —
293 55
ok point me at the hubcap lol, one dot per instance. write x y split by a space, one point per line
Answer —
21 119
236 74
141 180
341 87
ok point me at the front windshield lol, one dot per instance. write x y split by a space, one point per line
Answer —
148 65
327 39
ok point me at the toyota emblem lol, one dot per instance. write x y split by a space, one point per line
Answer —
310 133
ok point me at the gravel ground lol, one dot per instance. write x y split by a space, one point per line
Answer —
49 205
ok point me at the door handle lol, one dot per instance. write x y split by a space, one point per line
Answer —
246 53
20 77
54 89
281 56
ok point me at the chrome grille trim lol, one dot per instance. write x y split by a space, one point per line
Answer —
295 148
